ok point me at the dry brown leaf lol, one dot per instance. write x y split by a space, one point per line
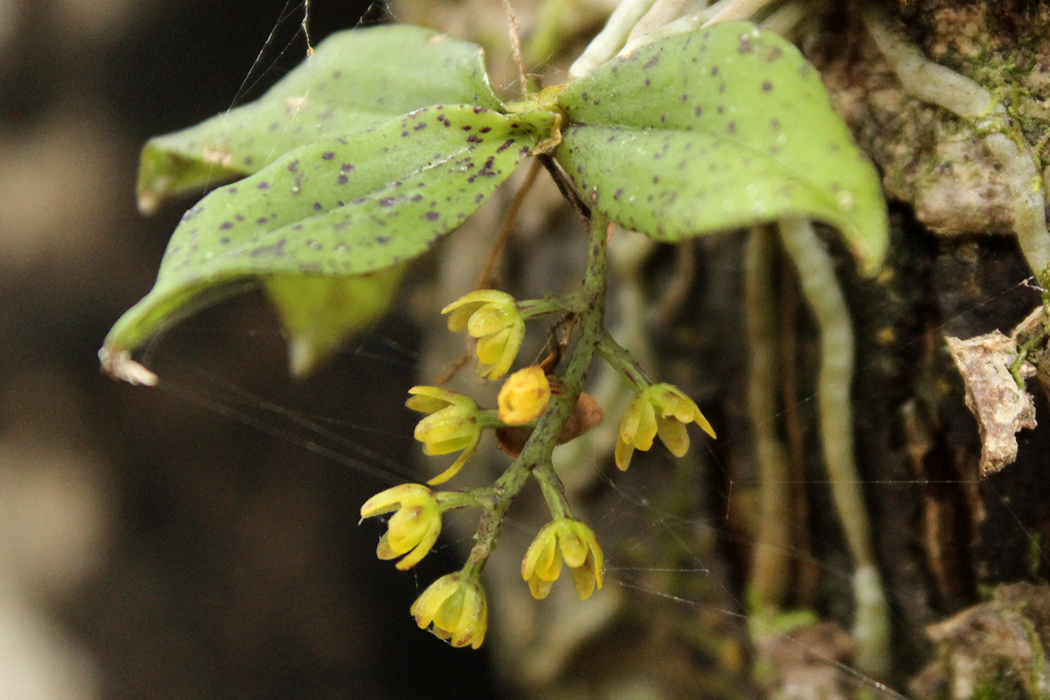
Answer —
1000 406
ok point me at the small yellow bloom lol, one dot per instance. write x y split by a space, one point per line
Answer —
456 606
453 424
660 409
565 540
493 318
524 396
413 529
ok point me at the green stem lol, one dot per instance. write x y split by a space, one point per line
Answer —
532 309
1036 342
455 500
489 419
553 491
536 455
621 360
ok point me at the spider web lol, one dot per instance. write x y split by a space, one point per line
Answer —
375 452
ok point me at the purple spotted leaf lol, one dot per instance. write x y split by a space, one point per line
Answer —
355 80
715 129
337 208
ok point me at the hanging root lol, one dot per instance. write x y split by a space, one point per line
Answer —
936 84
771 569
612 38
726 10
871 628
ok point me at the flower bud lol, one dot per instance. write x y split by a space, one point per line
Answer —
524 396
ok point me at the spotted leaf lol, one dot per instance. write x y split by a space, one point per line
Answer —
349 84
339 208
716 129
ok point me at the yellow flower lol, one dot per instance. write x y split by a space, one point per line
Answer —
456 606
565 540
413 529
524 396
660 409
493 318
453 424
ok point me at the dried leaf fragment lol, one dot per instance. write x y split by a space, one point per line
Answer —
1000 406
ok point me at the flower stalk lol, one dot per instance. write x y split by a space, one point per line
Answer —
535 457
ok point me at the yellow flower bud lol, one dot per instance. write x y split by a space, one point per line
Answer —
563 540
453 424
660 409
456 607
413 529
524 396
493 318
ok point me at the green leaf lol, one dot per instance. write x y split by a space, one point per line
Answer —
724 127
355 80
320 314
343 207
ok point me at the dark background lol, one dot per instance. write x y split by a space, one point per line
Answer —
184 541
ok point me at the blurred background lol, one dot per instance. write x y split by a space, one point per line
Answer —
200 539
186 541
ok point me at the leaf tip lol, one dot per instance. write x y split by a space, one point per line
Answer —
119 365
148 201
303 356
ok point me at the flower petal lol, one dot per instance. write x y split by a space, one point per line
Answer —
456 466
460 317
489 319
646 430
674 434
407 527
448 613
624 452
426 543
573 549
585 580
539 588
480 296
490 348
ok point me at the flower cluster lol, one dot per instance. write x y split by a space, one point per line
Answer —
454 607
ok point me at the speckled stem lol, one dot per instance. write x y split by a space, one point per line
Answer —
871 630
934 83
535 457
770 572
621 360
